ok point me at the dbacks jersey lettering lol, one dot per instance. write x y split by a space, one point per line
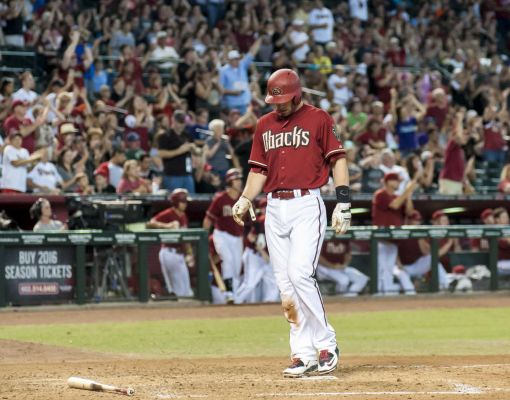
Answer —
220 212
296 151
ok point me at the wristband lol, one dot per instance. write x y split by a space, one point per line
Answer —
343 194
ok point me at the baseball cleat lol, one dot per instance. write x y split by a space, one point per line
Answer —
300 368
328 361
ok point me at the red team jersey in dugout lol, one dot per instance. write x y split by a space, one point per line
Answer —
170 215
335 250
220 212
296 151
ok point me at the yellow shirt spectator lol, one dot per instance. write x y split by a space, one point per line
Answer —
325 63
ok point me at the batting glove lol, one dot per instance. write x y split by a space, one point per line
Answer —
341 219
242 205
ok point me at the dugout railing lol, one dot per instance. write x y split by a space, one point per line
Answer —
14 245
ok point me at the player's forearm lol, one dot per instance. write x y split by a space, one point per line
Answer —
254 185
340 173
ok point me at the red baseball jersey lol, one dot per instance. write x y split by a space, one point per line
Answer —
335 250
295 151
382 214
171 215
409 251
220 212
504 249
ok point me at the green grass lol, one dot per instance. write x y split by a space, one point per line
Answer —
472 331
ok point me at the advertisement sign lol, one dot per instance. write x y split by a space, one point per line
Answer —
37 275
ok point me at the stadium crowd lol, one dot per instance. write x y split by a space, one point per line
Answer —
419 88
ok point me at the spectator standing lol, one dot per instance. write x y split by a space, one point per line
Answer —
175 147
234 79
338 83
218 148
26 93
18 123
407 115
14 166
389 164
44 177
298 41
320 22
451 179
14 23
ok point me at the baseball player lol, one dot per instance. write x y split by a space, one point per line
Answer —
293 149
501 218
414 259
482 244
172 257
446 245
258 273
389 209
334 265
227 236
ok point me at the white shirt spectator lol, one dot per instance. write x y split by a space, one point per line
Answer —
45 174
299 37
359 9
28 96
340 95
114 174
402 172
320 16
163 53
14 178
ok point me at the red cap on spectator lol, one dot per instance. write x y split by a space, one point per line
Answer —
438 214
17 103
415 216
486 213
389 176
103 170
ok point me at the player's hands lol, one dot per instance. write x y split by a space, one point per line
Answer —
242 205
341 219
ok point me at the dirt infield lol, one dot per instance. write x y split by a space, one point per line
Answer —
33 371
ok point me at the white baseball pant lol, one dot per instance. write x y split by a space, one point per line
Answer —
295 231
419 268
175 272
386 260
230 250
218 297
256 271
504 267
343 278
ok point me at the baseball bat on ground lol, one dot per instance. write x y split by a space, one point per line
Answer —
87 384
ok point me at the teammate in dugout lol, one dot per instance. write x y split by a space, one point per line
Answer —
175 259
227 236
334 265
293 149
259 284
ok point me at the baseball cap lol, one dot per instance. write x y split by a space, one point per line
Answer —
298 22
486 213
17 103
67 127
132 137
161 34
94 132
102 170
233 54
415 216
438 214
330 45
391 176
